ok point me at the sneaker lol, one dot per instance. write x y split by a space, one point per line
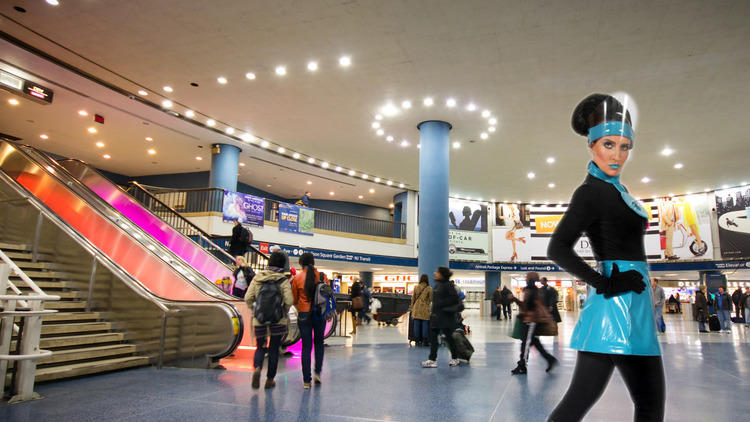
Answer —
463 361
703 331
519 370
270 383
256 378
551 364
316 378
429 364
454 362
306 386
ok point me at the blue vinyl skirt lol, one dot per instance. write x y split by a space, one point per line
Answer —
623 324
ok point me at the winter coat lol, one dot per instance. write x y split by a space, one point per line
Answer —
532 307
247 272
420 301
240 241
701 305
268 276
301 301
446 304
505 294
726 302
497 298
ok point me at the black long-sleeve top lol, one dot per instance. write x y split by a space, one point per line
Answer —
614 230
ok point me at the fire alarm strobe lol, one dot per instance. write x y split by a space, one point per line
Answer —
99 118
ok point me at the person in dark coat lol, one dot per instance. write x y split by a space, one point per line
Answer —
446 305
736 299
497 303
723 310
701 309
243 276
355 294
550 299
506 294
532 316
240 241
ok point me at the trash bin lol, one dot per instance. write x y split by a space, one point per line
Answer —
486 308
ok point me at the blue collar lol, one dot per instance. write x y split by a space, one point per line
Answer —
631 202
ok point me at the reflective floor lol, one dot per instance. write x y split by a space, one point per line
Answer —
375 376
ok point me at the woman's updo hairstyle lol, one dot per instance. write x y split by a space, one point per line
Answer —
595 110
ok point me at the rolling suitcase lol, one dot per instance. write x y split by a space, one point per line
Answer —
464 349
713 323
411 329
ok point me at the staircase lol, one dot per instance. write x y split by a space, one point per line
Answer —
82 342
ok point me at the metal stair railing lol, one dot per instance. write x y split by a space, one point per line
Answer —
30 308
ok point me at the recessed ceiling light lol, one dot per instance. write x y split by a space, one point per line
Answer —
311 160
456 145
450 102
100 144
345 61
686 193
389 110
312 66
389 183
106 156
199 158
331 193
491 129
352 172
744 183
550 160
149 139
724 186
264 144
309 182
189 113
142 92
551 185
378 117
531 175
281 70
486 113
168 88
242 164
401 185
53 2
360 197
166 104
667 151
222 80
229 130
375 125
364 176
428 102
678 166
390 205
91 130
518 202
406 104
493 200
44 136
419 146
484 135
372 190
151 151
324 164
13 101
211 122
469 198
380 132
471 107
645 180
377 180
246 137
281 150
389 138
296 155
250 75
404 143
338 168
83 113
492 121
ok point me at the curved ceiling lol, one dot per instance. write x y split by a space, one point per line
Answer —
687 64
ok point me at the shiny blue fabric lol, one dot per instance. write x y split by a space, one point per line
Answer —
631 202
622 324
613 127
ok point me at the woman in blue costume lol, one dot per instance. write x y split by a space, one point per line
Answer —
616 326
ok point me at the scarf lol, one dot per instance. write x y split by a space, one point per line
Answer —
631 202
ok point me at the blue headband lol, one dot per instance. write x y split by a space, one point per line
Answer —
614 127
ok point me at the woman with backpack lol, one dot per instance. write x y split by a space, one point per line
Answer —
311 328
446 305
420 310
270 297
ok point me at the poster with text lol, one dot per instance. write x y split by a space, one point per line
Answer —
684 227
732 211
468 239
467 215
296 219
247 209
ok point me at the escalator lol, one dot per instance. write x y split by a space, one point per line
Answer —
109 271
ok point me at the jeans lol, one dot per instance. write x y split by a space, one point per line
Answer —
529 339
312 331
273 354
725 319
747 316
435 343
659 318
506 310
701 326
421 330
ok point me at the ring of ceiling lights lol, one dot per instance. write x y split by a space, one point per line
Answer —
390 110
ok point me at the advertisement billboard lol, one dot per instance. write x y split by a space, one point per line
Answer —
733 212
468 238
248 209
296 219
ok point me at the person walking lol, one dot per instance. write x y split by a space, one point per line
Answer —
506 296
701 308
357 303
659 299
243 275
311 329
747 307
446 305
420 310
366 300
497 303
550 298
723 310
736 299
533 312
267 290
240 241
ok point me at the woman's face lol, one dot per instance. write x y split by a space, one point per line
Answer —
610 153
437 276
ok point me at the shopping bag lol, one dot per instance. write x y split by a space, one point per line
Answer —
517 330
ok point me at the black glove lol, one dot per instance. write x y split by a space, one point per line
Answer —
618 283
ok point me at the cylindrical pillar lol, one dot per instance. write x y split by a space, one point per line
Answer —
366 278
434 172
491 283
225 160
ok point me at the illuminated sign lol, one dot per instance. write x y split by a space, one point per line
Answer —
19 85
37 91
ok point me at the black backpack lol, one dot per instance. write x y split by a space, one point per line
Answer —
269 303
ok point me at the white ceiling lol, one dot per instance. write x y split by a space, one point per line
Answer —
686 63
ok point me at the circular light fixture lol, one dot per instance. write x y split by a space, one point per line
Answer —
352 172
360 197
168 88
345 61
296 155
678 166
531 175
106 156
550 160
484 135
378 117
375 125
471 107
264 144
44 136
211 122
428 102
389 110
91 129
406 104
389 138
242 164
312 66
99 144
309 182
389 183
281 70
404 143
491 129
493 200
645 180
724 186
377 180
456 145
324 164
250 75
229 130
13 101
551 185
667 151
380 132
390 205
149 139
222 80
372 190
142 92
450 102
199 158
151 151
364 176
166 104
281 150
492 121
246 137
189 113
53 2
83 113
401 185
338 168
311 160
331 193
486 113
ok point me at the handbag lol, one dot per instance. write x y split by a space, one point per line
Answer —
517 331
357 303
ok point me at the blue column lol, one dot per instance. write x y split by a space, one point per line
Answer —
491 283
366 278
225 160
434 172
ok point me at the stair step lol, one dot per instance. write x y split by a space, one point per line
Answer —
72 316
68 304
88 353
77 327
66 341
14 247
55 284
33 275
85 368
17 255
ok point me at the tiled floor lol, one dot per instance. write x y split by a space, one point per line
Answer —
375 376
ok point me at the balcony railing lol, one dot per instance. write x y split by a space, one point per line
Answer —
202 200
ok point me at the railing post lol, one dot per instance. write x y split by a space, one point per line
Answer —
6 324
37 236
162 340
92 279
28 344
